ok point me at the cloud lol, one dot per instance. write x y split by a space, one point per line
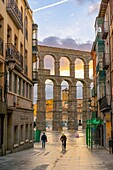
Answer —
93 8
69 43
34 2
51 5
84 1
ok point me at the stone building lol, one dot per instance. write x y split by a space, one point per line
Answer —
16 85
102 62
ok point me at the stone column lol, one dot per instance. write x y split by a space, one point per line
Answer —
89 113
86 110
57 68
72 109
57 107
41 63
41 107
72 69
86 71
84 115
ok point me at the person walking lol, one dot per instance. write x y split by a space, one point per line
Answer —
63 138
44 140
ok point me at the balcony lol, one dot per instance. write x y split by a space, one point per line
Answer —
103 7
101 76
15 13
92 92
106 61
12 55
34 42
3 108
100 47
99 67
105 29
35 76
95 90
1 47
104 104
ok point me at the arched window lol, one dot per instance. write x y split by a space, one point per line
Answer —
79 68
64 67
49 63
91 69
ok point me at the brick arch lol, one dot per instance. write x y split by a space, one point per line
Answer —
82 59
44 74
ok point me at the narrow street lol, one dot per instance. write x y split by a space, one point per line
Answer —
77 156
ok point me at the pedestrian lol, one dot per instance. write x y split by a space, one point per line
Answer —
44 140
63 138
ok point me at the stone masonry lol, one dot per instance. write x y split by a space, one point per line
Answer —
44 74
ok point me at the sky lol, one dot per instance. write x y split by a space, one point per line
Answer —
65 24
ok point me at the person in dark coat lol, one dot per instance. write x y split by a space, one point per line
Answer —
44 140
63 138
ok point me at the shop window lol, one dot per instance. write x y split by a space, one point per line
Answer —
27 136
15 134
21 133
31 131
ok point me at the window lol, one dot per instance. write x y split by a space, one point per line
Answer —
27 136
15 84
26 28
16 42
31 131
15 134
27 90
19 86
10 81
30 96
0 93
21 133
23 88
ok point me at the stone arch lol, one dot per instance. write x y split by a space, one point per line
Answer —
80 58
64 65
49 64
44 74
91 69
79 68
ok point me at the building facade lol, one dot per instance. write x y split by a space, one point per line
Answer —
102 70
16 85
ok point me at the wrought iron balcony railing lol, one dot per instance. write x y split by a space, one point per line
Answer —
104 104
105 29
13 54
15 13
1 47
106 61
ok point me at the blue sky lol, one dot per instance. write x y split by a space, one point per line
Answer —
65 23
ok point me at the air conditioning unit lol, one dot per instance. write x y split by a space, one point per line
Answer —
15 100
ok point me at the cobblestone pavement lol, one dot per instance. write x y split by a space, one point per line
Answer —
76 157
